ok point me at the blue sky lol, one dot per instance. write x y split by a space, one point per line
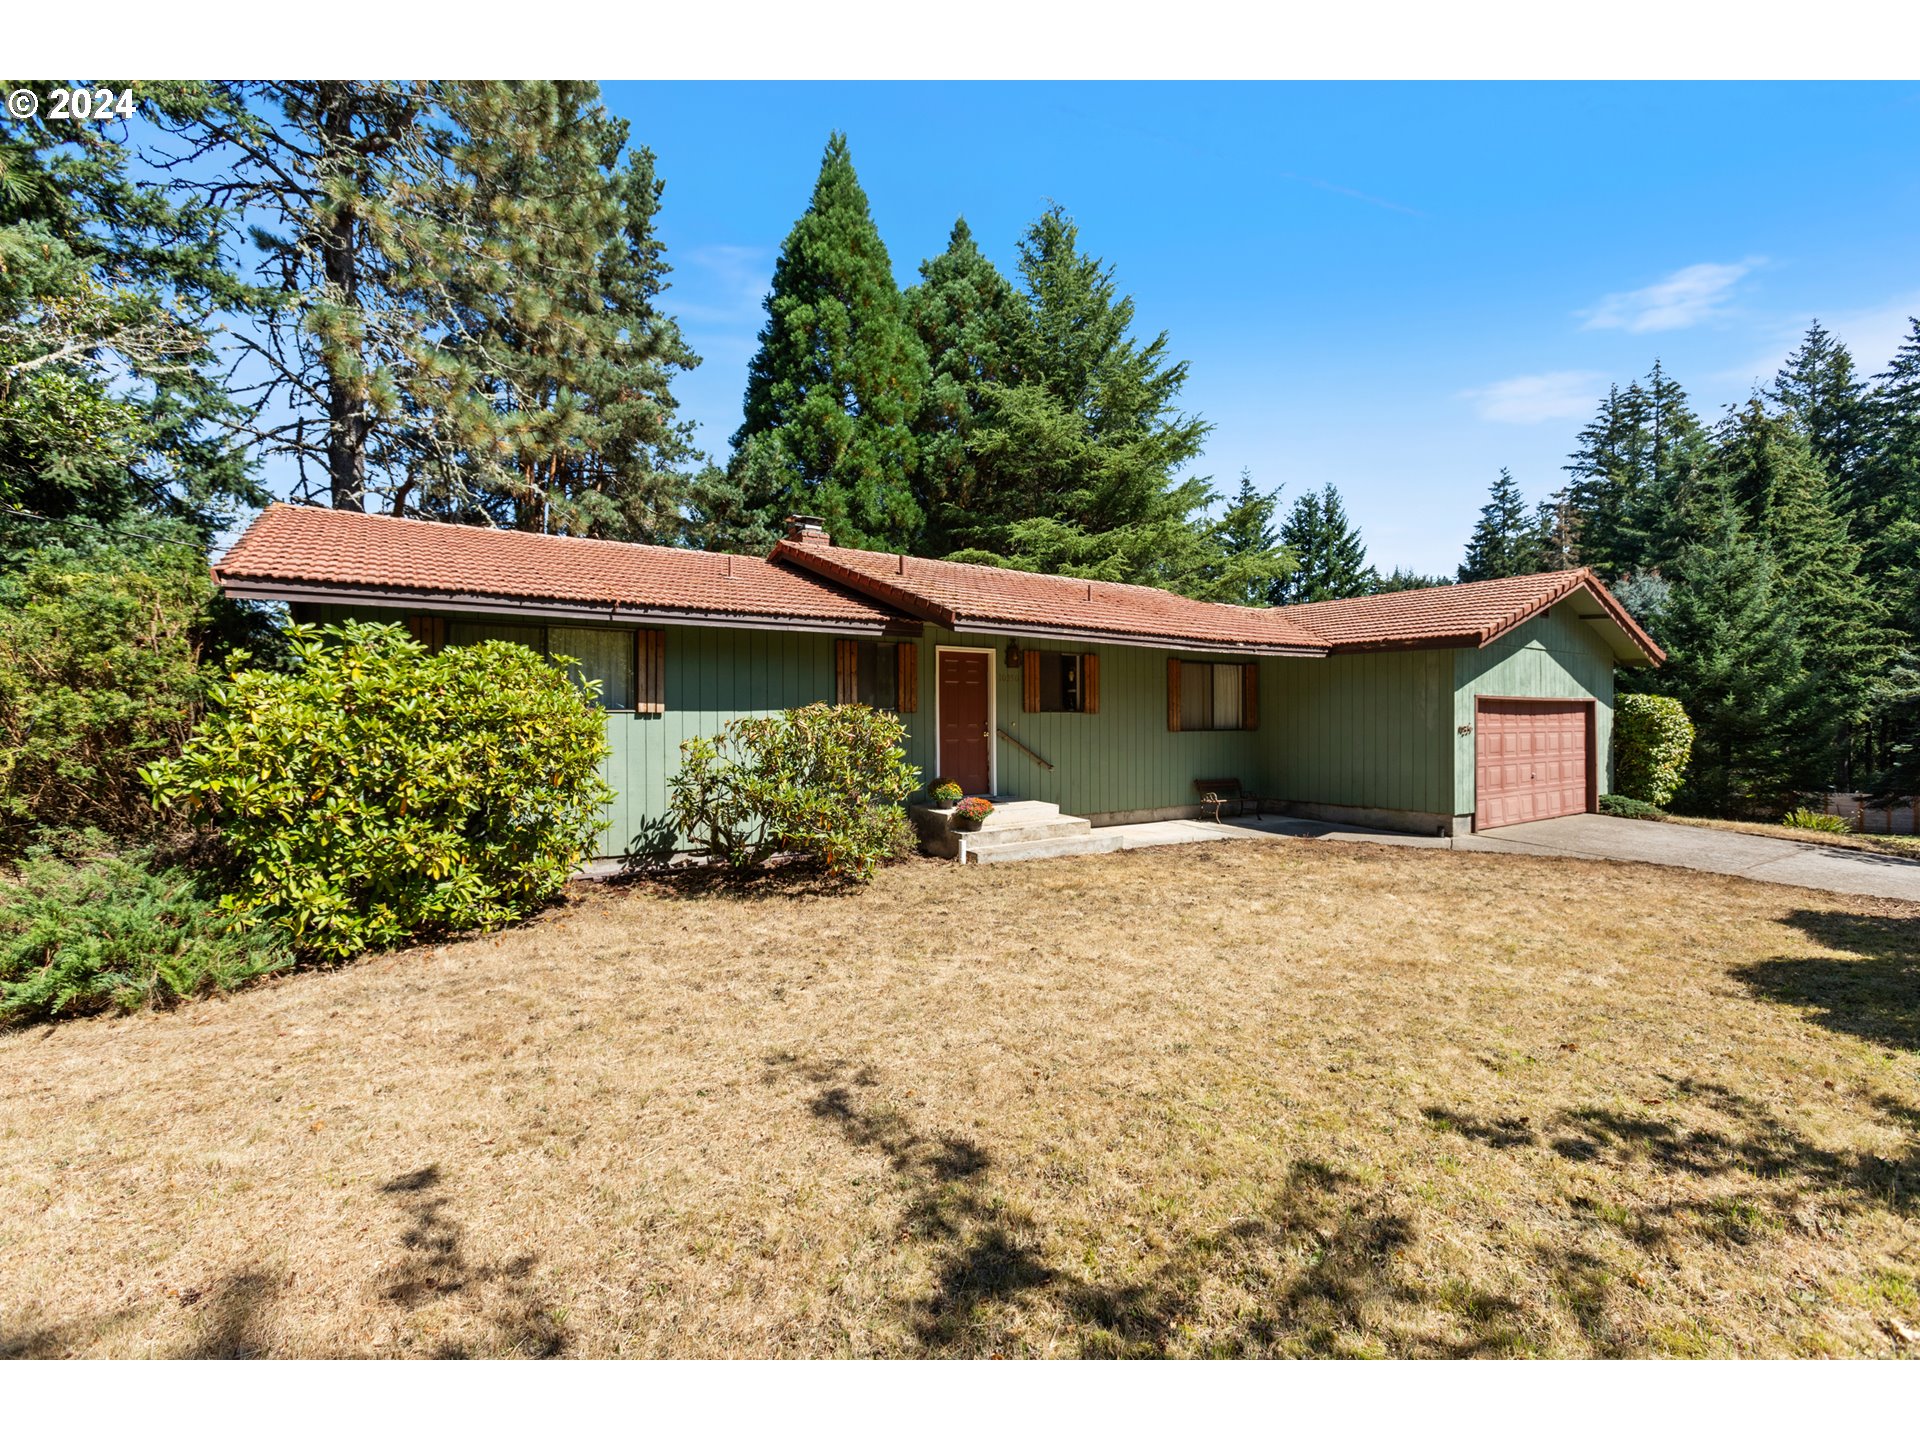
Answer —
1396 288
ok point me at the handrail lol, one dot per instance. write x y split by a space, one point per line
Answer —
1013 741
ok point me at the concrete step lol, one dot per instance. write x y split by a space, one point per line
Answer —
1087 842
1012 814
996 838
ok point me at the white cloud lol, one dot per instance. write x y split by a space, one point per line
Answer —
1871 334
1683 299
1529 399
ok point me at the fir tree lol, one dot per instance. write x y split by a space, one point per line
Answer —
840 373
1080 465
1639 452
1252 558
1737 663
1505 541
971 322
1770 470
1400 578
1817 387
112 407
1330 559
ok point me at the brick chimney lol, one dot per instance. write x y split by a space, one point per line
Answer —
807 530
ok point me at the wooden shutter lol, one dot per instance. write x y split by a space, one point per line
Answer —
908 656
1090 684
1249 697
429 630
846 671
1030 681
649 672
1173 693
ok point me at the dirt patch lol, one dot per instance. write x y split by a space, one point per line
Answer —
1278 1098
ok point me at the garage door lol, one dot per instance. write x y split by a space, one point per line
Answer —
1531 761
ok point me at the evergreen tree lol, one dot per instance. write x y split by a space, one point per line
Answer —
556 411
1330 559
1252 559
972 323
111 402
1886 504
1080 464
1637 455
840 373
1787 497
1400 578
313 176
1817 387
1737 663
1505 541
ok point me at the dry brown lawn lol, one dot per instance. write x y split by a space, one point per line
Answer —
1271 1098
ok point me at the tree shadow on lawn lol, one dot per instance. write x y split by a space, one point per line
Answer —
1321 1270
791 879
1875 995
433 1266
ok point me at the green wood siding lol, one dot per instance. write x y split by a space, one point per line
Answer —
1555 656
1361 730
1119 759
1376 731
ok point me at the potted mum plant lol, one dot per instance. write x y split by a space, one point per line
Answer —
946 793
968 814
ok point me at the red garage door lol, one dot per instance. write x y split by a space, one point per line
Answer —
1531 761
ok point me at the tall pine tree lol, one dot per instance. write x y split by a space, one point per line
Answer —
972 323
1505 541
1737 663
839 375
1639 453
556 408
1330 560
1817 387
1081 463
1768 467
1252 559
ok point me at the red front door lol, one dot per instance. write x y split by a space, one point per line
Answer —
966 679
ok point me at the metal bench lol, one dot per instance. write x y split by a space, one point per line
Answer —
1226 791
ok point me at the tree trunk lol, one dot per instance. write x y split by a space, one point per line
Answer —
347 423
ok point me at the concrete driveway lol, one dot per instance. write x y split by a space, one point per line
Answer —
1691 847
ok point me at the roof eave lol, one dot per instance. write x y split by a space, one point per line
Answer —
967 625
460 602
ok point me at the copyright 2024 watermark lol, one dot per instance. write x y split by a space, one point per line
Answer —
98 104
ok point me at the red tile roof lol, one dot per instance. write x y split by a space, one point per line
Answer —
1457 616
987 598
347 554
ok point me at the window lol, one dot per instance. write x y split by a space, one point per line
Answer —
603 655
1207 695
884 674
1056 681
629 664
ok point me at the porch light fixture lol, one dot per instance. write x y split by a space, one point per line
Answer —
1014 655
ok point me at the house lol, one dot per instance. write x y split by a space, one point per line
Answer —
1468 706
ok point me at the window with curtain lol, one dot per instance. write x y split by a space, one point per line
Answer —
1212 696
877 674
603 655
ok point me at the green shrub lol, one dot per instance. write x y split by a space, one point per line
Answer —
1801 818
1652 743
824 781
111 933
376 792
100 674
946 793
1629 808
